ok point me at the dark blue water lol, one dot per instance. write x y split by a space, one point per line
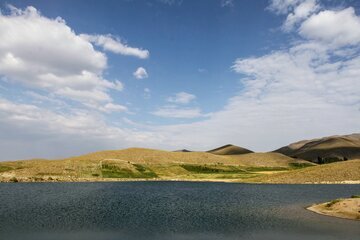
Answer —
170 210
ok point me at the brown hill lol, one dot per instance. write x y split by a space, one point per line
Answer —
135 163
267 160
346 171
333 148
229 150
182 150
153 156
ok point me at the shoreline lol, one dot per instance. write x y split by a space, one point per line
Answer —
90 180
348 208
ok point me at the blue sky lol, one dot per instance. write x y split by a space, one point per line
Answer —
80 76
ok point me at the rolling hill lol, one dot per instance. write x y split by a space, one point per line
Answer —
328 173
182 150
229 150
142 163
327 149
226 163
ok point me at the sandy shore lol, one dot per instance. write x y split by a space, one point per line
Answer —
348 208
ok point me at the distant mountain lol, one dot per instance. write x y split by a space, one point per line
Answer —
229 150
182 150
324 150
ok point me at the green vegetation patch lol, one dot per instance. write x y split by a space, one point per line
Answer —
5 168
112 171
245 175
264 169
355 196
140 168
212 169
333 202
47 174
300 165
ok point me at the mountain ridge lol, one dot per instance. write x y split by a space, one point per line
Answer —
331 148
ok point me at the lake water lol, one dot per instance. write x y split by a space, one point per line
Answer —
170 210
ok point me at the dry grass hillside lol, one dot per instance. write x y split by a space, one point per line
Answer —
152 156
229 150
143 163
333 148
328 173
267 160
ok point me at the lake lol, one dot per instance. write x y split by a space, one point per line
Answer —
170 210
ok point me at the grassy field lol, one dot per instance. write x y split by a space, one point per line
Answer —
137 163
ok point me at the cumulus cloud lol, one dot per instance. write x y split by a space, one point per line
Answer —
307 89
111 107
140 73
285 98
181 98
338 28
26 124
177 112
109 43
300 12
43 53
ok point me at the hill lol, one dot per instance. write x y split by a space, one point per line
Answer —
141 163
182 150
327 149
153 156
268 160
328 173
229 150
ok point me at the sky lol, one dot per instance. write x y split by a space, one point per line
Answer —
84 76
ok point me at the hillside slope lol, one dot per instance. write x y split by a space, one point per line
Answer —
153 156
229 150
140 163
328 173
332 148
267 160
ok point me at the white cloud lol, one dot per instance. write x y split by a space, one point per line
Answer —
283 6
176 112
38 132
285 98
227 3
111 107
338 28
182 98
299 92
300 12
47 54
39 98
296 93
140 73
109 43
